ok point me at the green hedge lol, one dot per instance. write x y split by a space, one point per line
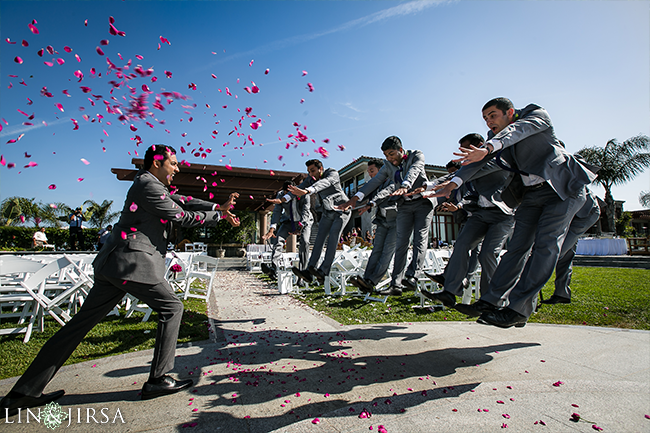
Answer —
20 238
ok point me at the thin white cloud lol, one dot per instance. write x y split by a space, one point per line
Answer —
409 8
351 107
20 129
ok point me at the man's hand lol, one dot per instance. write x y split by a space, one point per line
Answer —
473 154
400 191
449 207
418 190
446 190
274 200
270 234
364 209
297 191
230 203
231 218
348 204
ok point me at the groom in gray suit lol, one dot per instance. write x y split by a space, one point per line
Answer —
524 141
131 261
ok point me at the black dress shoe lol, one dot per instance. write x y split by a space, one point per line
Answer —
14 401
318 274
411 283
437 278
365 285
391 291
354 281
504 318
554 299
163 386
448 299
476 309
303 275
268 270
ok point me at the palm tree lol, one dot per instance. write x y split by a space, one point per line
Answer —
99 215
55 214
644 198
18 210
619 163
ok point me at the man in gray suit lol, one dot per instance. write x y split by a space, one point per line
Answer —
414 215
490 220
524 141
327 185
132 261
383 246
582 221
294 218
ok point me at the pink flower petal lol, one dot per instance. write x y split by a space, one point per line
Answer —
165 41
60 107
315 421
18 60
33 28
304 73
80 179
52 186
266 72
99 51
103 42
60 61
84 161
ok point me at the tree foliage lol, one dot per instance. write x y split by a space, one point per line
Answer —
619 163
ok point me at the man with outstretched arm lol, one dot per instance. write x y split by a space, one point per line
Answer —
414 212
524 142
132 261
325 183
383 246
294 218
490 221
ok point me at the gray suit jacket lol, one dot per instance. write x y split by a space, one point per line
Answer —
411 171
137 246
299 206
381 199
530 146
328 188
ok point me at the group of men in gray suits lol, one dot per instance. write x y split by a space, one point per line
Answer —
521 185
549 186
132 261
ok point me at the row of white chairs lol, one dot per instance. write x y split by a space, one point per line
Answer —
32 287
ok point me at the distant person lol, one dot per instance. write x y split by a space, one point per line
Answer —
40 238
76 220
103 236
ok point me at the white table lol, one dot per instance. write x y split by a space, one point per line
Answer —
601 247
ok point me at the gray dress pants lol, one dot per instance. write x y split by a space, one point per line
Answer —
330 227
489 225
383 249
564 267
541 223
303 244
101 299
413 217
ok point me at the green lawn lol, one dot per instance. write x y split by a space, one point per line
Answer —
614 297
112 336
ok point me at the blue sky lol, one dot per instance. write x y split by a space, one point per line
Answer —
419 70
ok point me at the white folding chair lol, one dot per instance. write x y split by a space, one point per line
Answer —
57 288
203 268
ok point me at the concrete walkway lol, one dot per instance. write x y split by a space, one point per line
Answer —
275 365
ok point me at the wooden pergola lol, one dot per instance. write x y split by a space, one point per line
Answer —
199 180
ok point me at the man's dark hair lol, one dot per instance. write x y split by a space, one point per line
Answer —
157 151
376 162
391 142
287 184
503 104
315 162
455 164
474 139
